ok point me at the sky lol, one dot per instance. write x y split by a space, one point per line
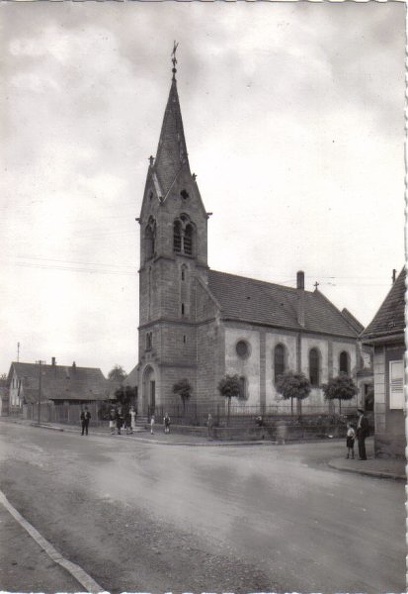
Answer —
294 121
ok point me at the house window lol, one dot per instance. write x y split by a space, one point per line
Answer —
396 384
314 367
344 362
242 349
148 341
183 309
183 273
279 360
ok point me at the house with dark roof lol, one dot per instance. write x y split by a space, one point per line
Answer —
55 385
201 324
386 335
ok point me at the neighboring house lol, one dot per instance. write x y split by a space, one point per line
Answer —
60 384
201 324
386 335
4 397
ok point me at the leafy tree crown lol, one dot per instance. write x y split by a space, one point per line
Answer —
230 386
341 387
293 385
117 374
183 388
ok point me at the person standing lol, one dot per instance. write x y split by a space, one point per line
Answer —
350 438
166 422
132 418
152 424
85 418
210 425
119 420
362 434
112 423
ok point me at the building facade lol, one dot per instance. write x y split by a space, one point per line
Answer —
386 335
201 324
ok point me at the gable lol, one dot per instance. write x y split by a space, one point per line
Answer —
390 318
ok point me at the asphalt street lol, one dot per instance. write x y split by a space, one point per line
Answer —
146 517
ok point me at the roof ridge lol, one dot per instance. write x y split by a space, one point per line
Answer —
261 281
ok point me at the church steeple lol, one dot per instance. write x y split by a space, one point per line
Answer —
172 157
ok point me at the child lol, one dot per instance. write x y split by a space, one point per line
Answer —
166 421
351 436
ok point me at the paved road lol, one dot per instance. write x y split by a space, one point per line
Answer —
146 517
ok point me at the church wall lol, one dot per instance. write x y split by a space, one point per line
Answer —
338 347
210 362
248 367
289 341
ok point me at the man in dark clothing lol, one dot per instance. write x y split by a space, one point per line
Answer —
362 434
85 417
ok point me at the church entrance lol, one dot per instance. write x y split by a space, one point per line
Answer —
149 390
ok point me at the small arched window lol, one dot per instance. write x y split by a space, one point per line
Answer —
314 367
279 360
344 362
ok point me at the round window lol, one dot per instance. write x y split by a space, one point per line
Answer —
242 349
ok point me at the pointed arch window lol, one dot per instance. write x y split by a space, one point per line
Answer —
183 235
344 362
150 238
314 367
279 360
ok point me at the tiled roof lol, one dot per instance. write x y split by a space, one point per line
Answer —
390 318
259 302
60 382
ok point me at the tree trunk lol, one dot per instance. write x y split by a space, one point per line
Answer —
228 411
339 406
299 407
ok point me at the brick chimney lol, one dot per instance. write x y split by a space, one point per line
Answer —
300 285
53 361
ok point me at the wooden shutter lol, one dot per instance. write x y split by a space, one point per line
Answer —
396 384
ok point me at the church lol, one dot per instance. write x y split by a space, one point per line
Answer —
199 324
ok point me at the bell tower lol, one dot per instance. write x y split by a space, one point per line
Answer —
173 252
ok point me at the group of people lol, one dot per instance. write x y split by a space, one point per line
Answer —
120 419
166 423
361 432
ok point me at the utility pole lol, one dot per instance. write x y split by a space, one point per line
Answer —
39 363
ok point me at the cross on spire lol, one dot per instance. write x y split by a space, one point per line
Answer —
316 285
174 60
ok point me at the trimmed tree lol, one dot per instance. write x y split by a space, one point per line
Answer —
293 385
230 386
340 388
183 389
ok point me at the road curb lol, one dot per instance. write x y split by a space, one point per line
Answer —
75 570
372 473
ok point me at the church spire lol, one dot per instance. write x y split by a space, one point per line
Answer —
172 156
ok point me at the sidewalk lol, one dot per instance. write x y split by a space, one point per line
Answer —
25 566
377 467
